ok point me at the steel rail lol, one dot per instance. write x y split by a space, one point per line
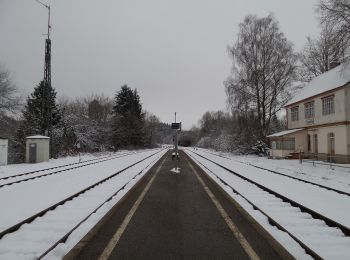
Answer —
64 170
55 167
64 238
52 207
286 175
303 208
307 249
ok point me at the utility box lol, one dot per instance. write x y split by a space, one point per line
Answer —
37 149
3 151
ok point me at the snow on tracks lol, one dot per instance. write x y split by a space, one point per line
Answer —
27 176
31 240
288 175
313 234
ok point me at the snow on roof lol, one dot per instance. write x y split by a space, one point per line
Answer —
337 77
287 132
37 137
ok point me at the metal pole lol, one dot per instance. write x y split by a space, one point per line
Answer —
48 23
176 142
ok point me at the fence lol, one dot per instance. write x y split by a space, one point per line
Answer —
340 161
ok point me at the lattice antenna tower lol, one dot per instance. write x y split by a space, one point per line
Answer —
47 66
45 109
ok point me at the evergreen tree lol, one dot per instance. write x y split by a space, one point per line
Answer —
40 117
128 120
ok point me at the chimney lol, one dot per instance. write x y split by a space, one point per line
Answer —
333 64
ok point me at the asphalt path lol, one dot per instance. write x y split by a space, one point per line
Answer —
178 215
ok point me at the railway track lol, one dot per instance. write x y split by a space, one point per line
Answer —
285 175
74 211
279 209
32 175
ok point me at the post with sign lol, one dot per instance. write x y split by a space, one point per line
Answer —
177 128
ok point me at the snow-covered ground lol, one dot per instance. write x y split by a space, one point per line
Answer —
24 199
329 242
14 169
327 175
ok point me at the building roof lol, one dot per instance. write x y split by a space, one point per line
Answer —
37 137
287 132
334 78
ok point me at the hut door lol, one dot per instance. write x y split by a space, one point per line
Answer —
32 153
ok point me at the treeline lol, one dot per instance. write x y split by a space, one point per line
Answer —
266 71
223 131
91 124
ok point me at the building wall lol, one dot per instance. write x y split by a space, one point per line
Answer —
279 153
340 139
300 140
300 144
341 109
347 101
348 139
3 151
43 149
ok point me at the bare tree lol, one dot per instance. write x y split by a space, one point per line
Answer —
152 134
9 101
336 13
319 53
85 121
99 108
264 68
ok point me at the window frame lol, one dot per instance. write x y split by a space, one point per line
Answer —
309 109
285 144
328 108
294 115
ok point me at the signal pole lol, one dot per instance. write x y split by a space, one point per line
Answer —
176 142
177 127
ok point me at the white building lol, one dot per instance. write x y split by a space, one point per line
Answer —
37 149
318 119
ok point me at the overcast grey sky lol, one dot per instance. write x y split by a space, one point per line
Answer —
172 51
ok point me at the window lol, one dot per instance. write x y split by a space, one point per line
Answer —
285 144
309 110
289 144
328 105
294 112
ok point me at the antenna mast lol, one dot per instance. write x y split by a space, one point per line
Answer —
45 109
47 66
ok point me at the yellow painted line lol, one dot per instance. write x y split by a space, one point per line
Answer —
116 237
241 239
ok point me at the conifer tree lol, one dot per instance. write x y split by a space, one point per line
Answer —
40 117
128 119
